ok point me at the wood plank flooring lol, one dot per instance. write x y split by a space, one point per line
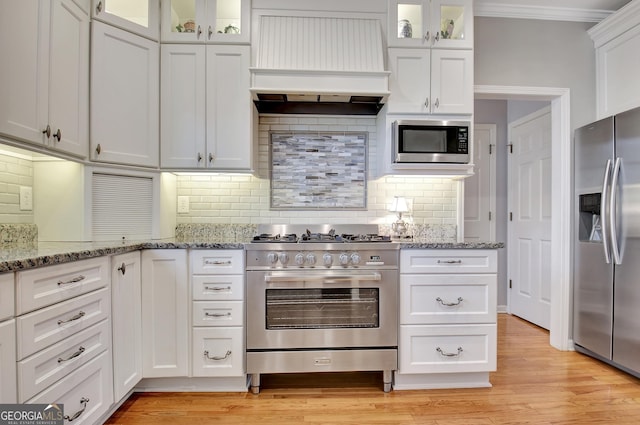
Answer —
534 384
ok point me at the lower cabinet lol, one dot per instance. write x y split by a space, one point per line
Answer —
448 331
8 383
165 319
126 322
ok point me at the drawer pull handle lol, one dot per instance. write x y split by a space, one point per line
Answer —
217 288
227 314
74 318
74 280
442 353
449 261
449 304
218 262
226 355
83 401
73 356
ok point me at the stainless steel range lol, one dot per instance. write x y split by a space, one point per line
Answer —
321 299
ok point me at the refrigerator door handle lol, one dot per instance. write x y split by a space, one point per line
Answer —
613 222
603 212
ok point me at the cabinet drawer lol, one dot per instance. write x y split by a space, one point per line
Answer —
218 352
448 261
447 349
48 285
218 313
447 298
87 392
219 261
47 366
218 288
7 297
49 325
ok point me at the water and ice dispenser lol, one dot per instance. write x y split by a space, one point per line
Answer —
590 228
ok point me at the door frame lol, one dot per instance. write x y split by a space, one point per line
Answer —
561 197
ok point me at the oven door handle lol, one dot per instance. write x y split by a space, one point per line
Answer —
274 278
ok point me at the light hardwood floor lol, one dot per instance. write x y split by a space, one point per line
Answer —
534 384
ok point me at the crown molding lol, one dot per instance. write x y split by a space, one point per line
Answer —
500 10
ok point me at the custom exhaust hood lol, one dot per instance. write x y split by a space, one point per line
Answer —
319 65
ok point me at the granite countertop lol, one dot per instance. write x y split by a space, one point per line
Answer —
21 256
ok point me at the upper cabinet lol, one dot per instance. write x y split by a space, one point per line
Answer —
617 43
205 21
44 74
446 24
137 16
125 97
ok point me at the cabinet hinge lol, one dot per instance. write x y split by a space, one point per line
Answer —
490 149
510 145
510 284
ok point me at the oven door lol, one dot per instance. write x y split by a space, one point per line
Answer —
307 309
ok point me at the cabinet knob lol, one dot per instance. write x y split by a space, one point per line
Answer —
58 135
99 7
436 38
199 31
426 103
122 269
47 131
427 36
437 104
212 157
98 149
210 32
199 157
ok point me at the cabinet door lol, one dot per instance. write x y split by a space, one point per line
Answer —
228 21
451 81
126 322
183 106
409 80
24 69
69 79
451 24
229 135
409 22
165 321
184 21
124 97
141 17
8 377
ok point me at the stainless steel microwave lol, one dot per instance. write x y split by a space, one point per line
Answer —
427 141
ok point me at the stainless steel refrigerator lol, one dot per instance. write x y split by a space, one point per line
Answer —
607 241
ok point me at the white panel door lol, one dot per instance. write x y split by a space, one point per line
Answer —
530 217
480 189
229 108
183 104
8 375
126 322
409 80
451 81
125 109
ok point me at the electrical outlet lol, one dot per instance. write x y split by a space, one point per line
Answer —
183 204
26 198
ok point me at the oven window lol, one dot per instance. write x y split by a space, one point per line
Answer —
322 308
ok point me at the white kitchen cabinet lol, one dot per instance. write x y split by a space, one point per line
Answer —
8 372
126 322
165 318
431 23
125 100
447 336
430 81
44 75
210 21
206 108
617 42
217 287
137 16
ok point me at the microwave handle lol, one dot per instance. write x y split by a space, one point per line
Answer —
394 141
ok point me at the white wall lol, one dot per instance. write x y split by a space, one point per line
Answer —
16 170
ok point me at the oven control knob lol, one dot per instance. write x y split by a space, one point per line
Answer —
327 259
299 259
355 258
311 259
272 258
344 259
284 258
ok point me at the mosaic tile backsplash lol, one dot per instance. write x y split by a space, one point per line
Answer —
318 171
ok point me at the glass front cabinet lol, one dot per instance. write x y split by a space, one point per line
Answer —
137 16
437 23
205 21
